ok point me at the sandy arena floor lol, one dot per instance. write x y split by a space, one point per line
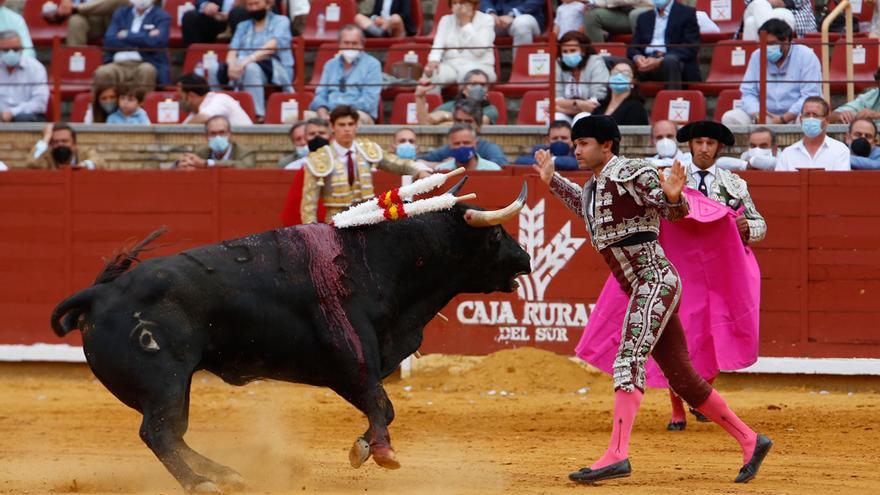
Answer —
515 423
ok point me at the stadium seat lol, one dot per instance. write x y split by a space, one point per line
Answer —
496 98
80 107
418 19
679 106
195 55
74 67
530 71
41 31
275 107
729 61
727 15
864 61
534 108
245 100
176 9
727 100
337 13
400 53
151 106
814 43
323 55
403 111
610 49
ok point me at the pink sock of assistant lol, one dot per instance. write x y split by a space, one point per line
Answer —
717 410
626 405
678 413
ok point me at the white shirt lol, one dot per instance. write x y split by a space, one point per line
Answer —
225 105
661 19
695 173
296 164
472 42
832 155
569 17
386 8
3 167
136 23
342 152
24 90
299 7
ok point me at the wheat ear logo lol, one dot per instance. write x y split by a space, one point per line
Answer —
548 259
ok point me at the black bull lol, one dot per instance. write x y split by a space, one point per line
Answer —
339 308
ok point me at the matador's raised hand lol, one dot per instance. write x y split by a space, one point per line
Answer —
544 165
674 183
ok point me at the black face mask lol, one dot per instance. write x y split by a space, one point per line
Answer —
61 155
861 147
257 15
317 143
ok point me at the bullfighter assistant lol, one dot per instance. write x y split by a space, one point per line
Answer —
622 205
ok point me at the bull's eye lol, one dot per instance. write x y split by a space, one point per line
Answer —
498 234
420 262
145 339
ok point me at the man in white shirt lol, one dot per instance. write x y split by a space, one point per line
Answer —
24 92
816 149
663 136
762 151
192 91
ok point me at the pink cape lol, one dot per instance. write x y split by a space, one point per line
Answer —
720 302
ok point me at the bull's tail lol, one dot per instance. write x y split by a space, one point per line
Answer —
65 316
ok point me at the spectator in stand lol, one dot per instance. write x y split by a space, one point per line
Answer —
259 54
136 46
129 111
405 144
13 21
300 144
467 112
316 135
353 78
390 19
762 151
862 142
209 19
105 101
58 149
816 149
24 88
221 150
560 145
793 75
464 42
664 45
663 136
475 88
798 14
569 17
463 148
613 17
581 76
623 104
201 104
520 19
298 11
865 106
89 19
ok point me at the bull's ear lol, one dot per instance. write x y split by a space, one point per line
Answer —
456 188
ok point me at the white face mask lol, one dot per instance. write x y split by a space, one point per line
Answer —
756 152
350 55
666 148
142 4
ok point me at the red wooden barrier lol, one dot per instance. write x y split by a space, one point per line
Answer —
820 262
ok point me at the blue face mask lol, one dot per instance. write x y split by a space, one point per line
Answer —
659 4
302 151
572 60
812 127
774 53
406 151
11 58
619 83
464 154
560 148
218 144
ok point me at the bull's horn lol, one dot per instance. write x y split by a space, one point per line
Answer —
477 218
457 187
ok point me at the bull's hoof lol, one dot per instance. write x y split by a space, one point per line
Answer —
205 487
232 480
359 453
385 457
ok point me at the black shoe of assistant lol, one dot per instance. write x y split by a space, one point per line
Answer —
700 416
676 425
620 469
750 469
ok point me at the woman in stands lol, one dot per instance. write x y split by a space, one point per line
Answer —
581 76
389 19
623 104
464 41
475 88
104 102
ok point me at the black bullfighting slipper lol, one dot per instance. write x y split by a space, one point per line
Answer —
700 416
750 469
676 425
621 469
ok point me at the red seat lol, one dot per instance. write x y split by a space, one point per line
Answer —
496 98
274 106
346 10
864 62
534 108
418 20
176 9
866 14
41 31
610 49
74 67
246 101
151 106
729 61
399 53
625 38
403 110
664 101
323 54
728 20
814 43
727 100
530 71
195 55
80 107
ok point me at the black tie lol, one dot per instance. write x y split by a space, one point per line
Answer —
702 187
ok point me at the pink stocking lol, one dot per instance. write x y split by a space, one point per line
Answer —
678 414
626 405
717 410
